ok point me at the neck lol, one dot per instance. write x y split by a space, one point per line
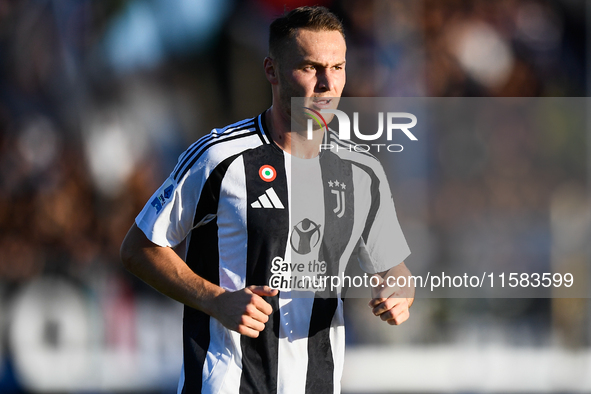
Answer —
296 142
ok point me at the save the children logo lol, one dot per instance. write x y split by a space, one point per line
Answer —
390 119
305 236
305 272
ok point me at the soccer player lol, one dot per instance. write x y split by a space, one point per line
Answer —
229 210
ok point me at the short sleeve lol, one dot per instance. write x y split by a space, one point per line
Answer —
168 216
385 245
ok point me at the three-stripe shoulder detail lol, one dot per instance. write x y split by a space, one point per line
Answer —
234 131
262 133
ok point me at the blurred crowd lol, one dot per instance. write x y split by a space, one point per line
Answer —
87 133
98 98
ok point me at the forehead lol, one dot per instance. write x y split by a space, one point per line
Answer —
323 44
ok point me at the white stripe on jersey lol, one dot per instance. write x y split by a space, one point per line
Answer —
338 347
232 229
231 383
294 315
224 344
305 191
219 357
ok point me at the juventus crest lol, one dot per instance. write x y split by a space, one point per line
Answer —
338 189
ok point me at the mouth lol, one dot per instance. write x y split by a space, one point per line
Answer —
321 102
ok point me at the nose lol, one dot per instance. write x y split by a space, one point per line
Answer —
324 82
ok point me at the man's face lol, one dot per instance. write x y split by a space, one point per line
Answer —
312 65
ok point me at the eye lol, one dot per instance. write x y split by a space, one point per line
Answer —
309 67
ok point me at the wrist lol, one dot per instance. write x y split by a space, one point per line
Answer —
209 301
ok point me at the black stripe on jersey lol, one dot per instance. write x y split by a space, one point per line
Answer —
198 148
320 374
268 229
339 229
337 233
375 198
195 344
203 258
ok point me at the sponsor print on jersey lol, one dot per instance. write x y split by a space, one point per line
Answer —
305 236
163 196
304 272
268 200
267 173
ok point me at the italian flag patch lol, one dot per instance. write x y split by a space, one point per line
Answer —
267 173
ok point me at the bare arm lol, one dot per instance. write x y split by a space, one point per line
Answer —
392 303
243 311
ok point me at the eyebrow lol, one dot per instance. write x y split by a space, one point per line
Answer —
313 63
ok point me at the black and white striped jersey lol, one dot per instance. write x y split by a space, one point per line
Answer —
251 214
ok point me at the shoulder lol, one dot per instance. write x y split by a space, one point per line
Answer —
219 145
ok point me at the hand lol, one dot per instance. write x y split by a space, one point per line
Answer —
389 303
244 311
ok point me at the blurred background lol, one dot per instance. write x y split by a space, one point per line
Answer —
98 99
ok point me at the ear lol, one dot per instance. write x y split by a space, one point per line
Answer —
270 70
